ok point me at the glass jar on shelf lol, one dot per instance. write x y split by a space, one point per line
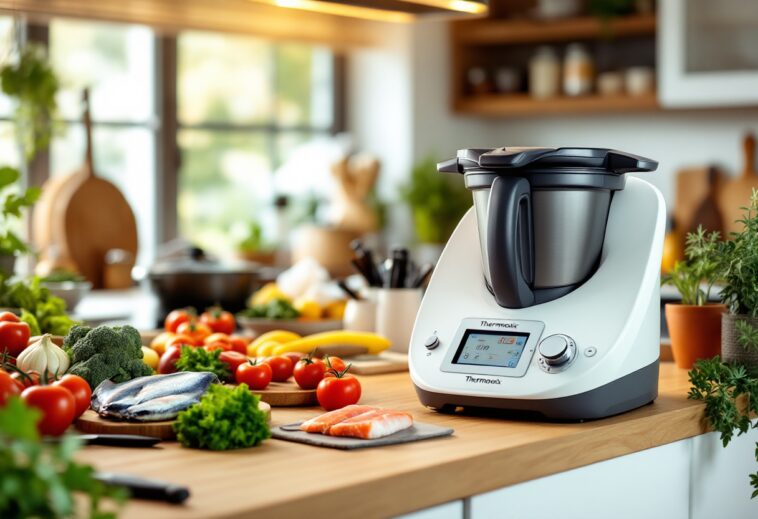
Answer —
578 71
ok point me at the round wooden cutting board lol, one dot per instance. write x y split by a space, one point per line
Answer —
91 423
287 394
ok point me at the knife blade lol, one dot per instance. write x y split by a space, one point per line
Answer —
113 440
143 488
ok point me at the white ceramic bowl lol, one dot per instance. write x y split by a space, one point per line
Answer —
70 291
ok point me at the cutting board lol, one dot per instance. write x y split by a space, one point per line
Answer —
736 193
693 203
287 394
91 423
385 362
89 217
418 432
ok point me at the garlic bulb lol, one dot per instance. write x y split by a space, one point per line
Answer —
44 355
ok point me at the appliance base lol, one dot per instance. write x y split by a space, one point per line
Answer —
629 392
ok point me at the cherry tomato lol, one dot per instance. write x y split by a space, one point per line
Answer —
294 357
218 345
80 389
198 331
309 372
168 360
238 344
334 364
217 337
233 360
177 317
178 341
281 368
14 334
160 341
338 391
219 320
256 376
32 379
57 405
8 388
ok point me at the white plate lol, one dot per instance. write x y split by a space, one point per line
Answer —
259 326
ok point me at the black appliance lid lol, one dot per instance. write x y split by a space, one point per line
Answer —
547 160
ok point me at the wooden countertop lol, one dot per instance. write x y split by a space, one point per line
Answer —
283 479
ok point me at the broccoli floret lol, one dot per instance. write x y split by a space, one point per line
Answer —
105 352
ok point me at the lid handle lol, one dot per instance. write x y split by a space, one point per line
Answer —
449 166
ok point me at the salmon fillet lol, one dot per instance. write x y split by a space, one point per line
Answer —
322 423
373 424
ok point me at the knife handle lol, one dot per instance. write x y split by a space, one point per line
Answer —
142 488
121 440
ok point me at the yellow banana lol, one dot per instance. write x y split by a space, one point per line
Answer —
266 349
371 341
279 336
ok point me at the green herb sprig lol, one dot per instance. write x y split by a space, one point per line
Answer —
703 267
730 393
225 418
198 359
40 479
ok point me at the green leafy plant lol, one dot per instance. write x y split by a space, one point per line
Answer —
438 201
225 418
747 335
730 393
253 238
44 312
42 479
276 309
198 359
695 277
740 264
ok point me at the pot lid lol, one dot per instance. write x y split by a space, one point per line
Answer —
591 160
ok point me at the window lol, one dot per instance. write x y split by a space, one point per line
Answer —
234 132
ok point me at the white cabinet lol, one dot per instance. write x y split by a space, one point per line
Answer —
451 510
651 484
707 53
720 486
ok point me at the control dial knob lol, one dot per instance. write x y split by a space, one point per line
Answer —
557 351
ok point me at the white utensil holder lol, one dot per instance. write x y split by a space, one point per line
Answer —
396 310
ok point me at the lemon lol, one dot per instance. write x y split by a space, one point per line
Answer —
335 310
308 309
266 294
150 357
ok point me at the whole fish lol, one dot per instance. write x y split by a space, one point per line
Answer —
163 408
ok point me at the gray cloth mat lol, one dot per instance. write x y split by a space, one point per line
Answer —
418 431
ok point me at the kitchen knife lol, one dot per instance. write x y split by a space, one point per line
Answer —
143 488
113 440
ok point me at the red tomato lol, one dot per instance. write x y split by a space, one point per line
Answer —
256 376
238 344
8 388
281 368
80 389
175 318
309 372
57 405
32 379
294 357
338 391
219 320
198 331
168 360
233 359
14 335
216 337
180 340
334 364
218 345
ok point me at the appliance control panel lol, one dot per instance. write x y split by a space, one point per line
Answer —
556 353
499 347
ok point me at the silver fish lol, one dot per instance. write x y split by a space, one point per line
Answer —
163 408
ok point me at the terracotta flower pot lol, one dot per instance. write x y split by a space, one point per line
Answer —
731 351
695 332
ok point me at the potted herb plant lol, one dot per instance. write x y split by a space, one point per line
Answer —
695 324
437 203
739 339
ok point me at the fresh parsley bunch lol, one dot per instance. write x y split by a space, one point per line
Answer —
225 418
198 359
730 393
39 479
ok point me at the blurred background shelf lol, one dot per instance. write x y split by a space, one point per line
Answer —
516 32
520 105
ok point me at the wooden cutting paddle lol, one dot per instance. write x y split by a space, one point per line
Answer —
91 217
707 214
736 193
693 188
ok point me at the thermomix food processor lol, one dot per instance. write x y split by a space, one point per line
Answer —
546 298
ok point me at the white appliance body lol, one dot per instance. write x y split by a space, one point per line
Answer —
612 322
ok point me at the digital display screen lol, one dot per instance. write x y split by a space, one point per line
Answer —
490 348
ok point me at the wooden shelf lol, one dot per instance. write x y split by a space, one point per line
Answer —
521 105
514 32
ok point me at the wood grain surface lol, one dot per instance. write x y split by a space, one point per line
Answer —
287 394
91 423
283 479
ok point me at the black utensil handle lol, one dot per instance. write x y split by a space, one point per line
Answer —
123 440
509 242
141 488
